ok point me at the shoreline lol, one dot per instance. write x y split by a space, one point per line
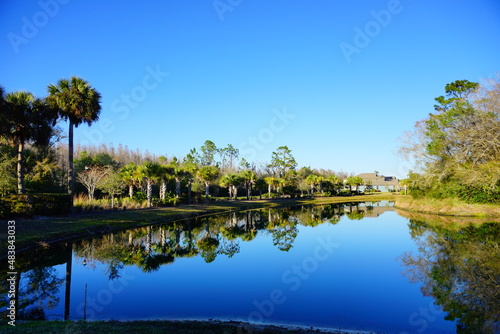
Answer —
446 207
170 326
44 231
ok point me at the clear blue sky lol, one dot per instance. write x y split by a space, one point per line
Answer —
352 76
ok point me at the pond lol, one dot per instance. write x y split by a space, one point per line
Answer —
349 266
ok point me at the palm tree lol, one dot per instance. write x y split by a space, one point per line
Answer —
208 174
77 102
271 181
165 175
312 180
231 181
25 119
3 103
151 171
249 177
130 176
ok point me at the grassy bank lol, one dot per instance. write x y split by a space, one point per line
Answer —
446 207
153 327
45 230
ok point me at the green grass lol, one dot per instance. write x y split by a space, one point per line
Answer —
33 232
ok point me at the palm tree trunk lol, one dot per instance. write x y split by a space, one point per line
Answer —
20 168
67 291
163 190
71 172
189 190
207 190
268 191
149 192
178 187
130 191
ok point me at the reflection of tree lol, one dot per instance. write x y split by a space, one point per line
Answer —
39 293
284 236
229 248
461 269
67 292
283 230
208 247
356 214
208 244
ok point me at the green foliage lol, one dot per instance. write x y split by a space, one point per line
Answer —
75 100
35 204
459 268
208 151
282 161
458 146
208 173
356 215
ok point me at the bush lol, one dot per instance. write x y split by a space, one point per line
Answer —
475 195
35 204
452 189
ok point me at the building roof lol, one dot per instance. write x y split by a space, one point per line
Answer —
379 180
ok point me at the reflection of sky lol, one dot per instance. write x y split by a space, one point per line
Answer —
359 285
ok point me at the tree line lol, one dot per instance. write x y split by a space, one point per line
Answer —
34 159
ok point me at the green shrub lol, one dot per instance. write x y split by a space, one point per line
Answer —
452 189
35 204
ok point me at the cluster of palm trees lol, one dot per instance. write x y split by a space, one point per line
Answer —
162 173
27 119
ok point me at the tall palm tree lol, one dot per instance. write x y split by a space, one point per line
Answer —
77 102
130 174
271 182
249 178
151 172
3 103
25 119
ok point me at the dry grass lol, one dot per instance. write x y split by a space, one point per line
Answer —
446 207
82 203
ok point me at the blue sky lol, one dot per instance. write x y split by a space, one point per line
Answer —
336 81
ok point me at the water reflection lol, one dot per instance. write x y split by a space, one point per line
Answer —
458 266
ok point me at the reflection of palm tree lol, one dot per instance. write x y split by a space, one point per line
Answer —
67 292
146 260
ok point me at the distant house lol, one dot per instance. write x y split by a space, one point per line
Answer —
377 181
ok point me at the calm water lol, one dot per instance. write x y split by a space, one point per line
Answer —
339 266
